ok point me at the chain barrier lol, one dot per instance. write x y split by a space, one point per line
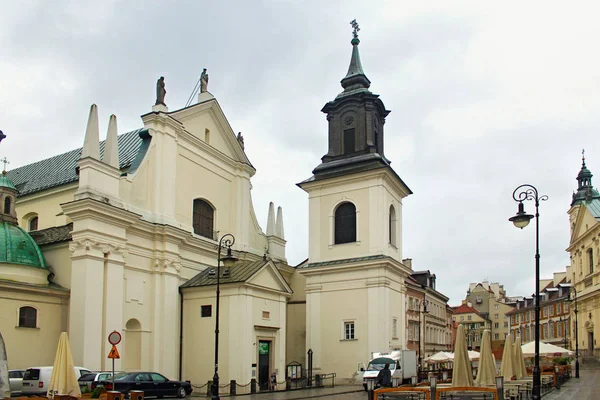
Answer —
200 387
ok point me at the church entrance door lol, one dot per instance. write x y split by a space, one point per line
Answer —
264 358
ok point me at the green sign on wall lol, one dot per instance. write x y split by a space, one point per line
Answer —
263 348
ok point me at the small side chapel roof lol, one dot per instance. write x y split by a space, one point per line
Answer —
240 272
62 169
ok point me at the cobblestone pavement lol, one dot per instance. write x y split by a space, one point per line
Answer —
587 387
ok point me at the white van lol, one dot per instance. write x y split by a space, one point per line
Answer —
37 379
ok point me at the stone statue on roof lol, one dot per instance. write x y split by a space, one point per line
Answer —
204 81
2 136
240 139
160 91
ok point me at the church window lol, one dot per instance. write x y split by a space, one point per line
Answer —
345 223
7 204
207 136
591 260
392 226
349 330
33 224
395 328
203 219
206 311
349 141
27 317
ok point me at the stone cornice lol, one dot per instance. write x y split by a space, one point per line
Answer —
94 209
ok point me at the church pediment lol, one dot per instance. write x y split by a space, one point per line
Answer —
269 277
206 122
584 221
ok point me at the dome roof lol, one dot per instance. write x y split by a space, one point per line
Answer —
18 247
6 183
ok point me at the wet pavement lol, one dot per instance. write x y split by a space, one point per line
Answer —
587 387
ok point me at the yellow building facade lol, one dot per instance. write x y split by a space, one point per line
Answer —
584 271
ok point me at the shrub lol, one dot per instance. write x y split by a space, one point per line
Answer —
98 391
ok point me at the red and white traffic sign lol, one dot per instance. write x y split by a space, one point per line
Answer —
114 338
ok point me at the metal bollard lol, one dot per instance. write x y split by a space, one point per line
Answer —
318 380
253 385
136 395
232 387
209 388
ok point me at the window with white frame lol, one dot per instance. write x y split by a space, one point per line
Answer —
349 333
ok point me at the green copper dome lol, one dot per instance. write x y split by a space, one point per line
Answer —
5 182
18 247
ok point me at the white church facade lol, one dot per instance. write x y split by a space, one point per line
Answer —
123 234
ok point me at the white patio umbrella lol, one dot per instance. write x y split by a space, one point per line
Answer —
546 350
519 359
486 374
507 366
439 357
462 375
63 379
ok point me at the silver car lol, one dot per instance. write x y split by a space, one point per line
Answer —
15 377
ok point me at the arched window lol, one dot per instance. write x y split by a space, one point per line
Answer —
345 223
591 260
27 317
203 219
392 226
33 224
7 205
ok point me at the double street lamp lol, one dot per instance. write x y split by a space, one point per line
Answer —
228 260
574 300
521 220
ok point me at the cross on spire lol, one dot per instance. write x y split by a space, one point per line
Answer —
5 161
355 28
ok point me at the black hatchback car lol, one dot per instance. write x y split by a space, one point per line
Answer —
152 384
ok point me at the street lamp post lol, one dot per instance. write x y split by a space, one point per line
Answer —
576 331
521 220
227 241
421 311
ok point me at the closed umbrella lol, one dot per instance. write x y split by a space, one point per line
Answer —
507 367
63 379
519 360
462 375
486 375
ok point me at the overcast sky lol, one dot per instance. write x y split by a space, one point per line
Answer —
483 99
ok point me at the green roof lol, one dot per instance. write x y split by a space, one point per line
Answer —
62 169
18 247
594 207
240 272
5 182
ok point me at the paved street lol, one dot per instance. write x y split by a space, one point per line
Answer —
587 387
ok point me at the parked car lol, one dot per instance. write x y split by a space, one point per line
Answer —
90 381
152 384
15 378
37 379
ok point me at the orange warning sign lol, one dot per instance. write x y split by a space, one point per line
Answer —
114 353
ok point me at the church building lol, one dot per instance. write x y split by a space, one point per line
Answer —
124 235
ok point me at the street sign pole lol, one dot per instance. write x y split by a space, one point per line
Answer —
114 338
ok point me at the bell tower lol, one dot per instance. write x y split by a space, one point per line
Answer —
355 291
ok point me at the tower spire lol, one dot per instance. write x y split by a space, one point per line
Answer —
585 190
355 79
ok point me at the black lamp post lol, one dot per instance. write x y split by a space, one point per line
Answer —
576 331
424 310
521 220
227 241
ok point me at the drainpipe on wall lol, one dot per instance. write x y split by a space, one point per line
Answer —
180 333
